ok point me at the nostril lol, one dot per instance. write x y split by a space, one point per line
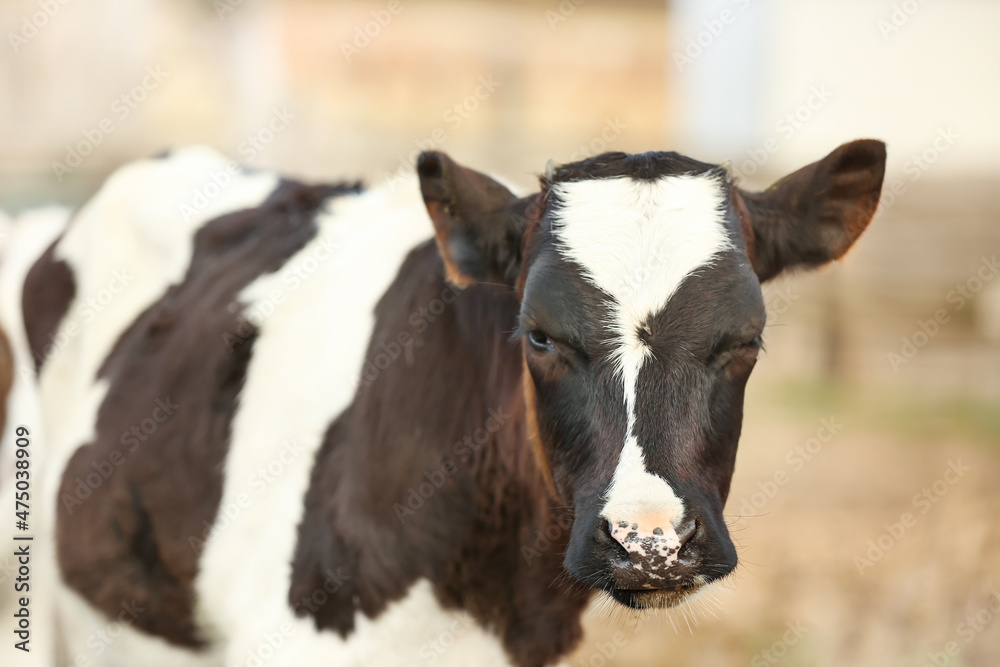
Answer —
687 554
605 531
686 531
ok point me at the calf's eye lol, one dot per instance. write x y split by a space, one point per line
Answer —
540 341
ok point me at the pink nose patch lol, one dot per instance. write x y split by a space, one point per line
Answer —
656 547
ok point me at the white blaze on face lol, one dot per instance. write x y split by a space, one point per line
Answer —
637 240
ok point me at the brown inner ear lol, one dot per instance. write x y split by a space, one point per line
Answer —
813 215
442 236
474 220
534 436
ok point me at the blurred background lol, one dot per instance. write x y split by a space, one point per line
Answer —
879 396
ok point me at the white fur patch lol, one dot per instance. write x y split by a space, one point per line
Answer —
91 638
125 247
315 318
637 241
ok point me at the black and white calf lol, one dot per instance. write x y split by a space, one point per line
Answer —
301 431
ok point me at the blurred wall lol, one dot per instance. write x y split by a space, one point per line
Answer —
771 86
810 74
504 86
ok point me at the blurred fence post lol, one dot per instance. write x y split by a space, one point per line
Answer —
714 56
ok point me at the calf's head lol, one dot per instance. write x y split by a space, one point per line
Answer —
641 319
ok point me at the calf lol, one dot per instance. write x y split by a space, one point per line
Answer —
283 425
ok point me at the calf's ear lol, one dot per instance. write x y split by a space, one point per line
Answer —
815 214
478 223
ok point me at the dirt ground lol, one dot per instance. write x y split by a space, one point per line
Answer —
862 540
